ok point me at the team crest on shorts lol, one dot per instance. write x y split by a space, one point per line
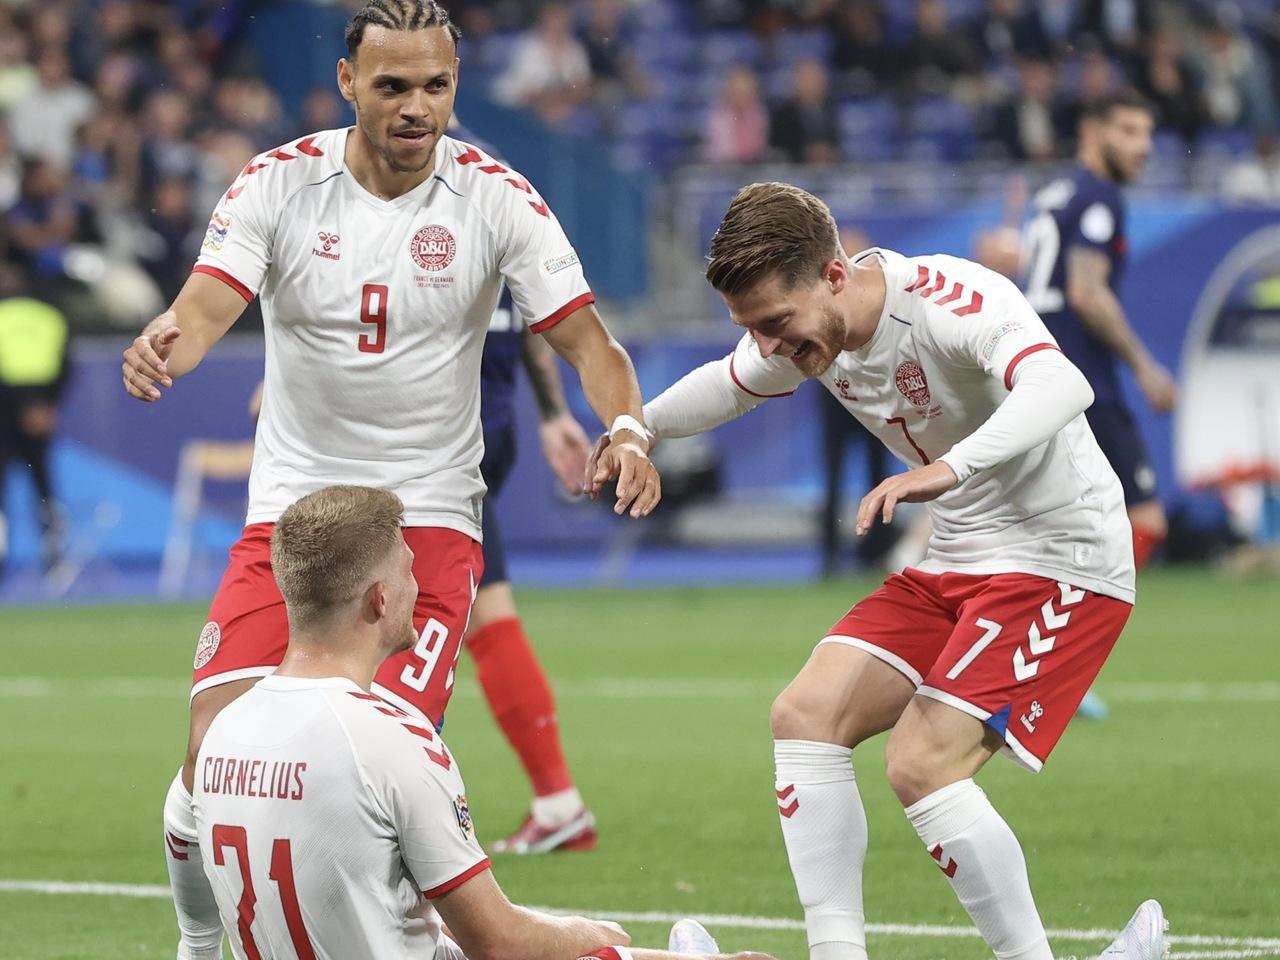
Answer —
207 645
433 248
911 383
463 813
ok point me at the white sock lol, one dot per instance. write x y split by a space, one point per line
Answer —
982 858
825 831
557 809
198 920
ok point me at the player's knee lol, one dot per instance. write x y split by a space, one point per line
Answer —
806 715
1150 520
912 769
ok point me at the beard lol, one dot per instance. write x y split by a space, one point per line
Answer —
407 639
823 348
384 147
1115 169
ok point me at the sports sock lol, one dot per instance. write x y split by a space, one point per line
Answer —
521 701
558 808
1145 543
981 858
198 920
825 831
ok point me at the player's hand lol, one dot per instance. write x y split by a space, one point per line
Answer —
1158 386
566 447
146 357
915 486
626 458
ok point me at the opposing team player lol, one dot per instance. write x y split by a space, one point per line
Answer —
1074 251
991 642
379 252
515 685
335 825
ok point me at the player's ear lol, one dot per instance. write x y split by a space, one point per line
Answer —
347 79
836 273
376 600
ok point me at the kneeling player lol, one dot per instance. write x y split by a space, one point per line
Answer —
989 645
333 825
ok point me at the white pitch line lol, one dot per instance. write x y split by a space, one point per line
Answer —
618 688
1243 946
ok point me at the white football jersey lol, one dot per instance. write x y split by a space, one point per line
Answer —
941 360
328 818
376 313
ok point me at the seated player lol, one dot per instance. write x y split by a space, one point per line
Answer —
333 826
989 645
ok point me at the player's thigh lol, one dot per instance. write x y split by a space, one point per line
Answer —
494 601
1149 517
1117 434
247 630
204 707
448 566
932 745
1024 652
865 670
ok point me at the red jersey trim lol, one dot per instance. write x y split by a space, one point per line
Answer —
457 881
745 389
226 278
577 303
1013 364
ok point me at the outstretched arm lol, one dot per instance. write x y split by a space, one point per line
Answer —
698 402
1089 294
174 343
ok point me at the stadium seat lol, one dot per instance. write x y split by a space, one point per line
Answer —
868 128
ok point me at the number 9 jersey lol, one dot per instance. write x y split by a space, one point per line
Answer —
1082 210
376 313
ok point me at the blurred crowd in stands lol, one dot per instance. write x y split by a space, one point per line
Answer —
121 121
819 81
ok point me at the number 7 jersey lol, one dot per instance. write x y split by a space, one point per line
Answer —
942 359
375 315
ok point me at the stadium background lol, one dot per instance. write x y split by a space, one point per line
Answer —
925 125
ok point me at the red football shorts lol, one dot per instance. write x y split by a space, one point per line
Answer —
1016 651
248 630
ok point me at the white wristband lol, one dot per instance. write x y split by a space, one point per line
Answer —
624 421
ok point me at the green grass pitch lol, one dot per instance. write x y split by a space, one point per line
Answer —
664 700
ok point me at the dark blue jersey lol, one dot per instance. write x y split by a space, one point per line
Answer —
1082 210
502 348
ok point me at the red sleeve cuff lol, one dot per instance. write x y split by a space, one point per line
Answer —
1013 364
457 881
226 278
763 396
577 303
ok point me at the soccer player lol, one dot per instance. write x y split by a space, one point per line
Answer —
1074 251
990 643
379 252
335 825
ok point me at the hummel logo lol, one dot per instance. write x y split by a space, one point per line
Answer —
843 385
329 241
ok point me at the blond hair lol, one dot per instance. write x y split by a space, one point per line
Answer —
772 228
326 548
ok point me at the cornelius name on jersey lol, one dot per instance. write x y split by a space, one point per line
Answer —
235 777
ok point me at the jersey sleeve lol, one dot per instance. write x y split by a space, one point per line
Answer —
988 324
1097 225
237 243
540 265
426 800
759 376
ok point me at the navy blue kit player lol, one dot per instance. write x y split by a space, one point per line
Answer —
1074 251
514 683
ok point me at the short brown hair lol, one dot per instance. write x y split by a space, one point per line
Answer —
326 547
772 228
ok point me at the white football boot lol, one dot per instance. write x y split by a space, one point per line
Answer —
689 936
1143 936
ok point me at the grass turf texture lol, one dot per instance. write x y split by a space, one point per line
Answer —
664 701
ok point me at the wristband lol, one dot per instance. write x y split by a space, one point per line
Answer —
625 421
